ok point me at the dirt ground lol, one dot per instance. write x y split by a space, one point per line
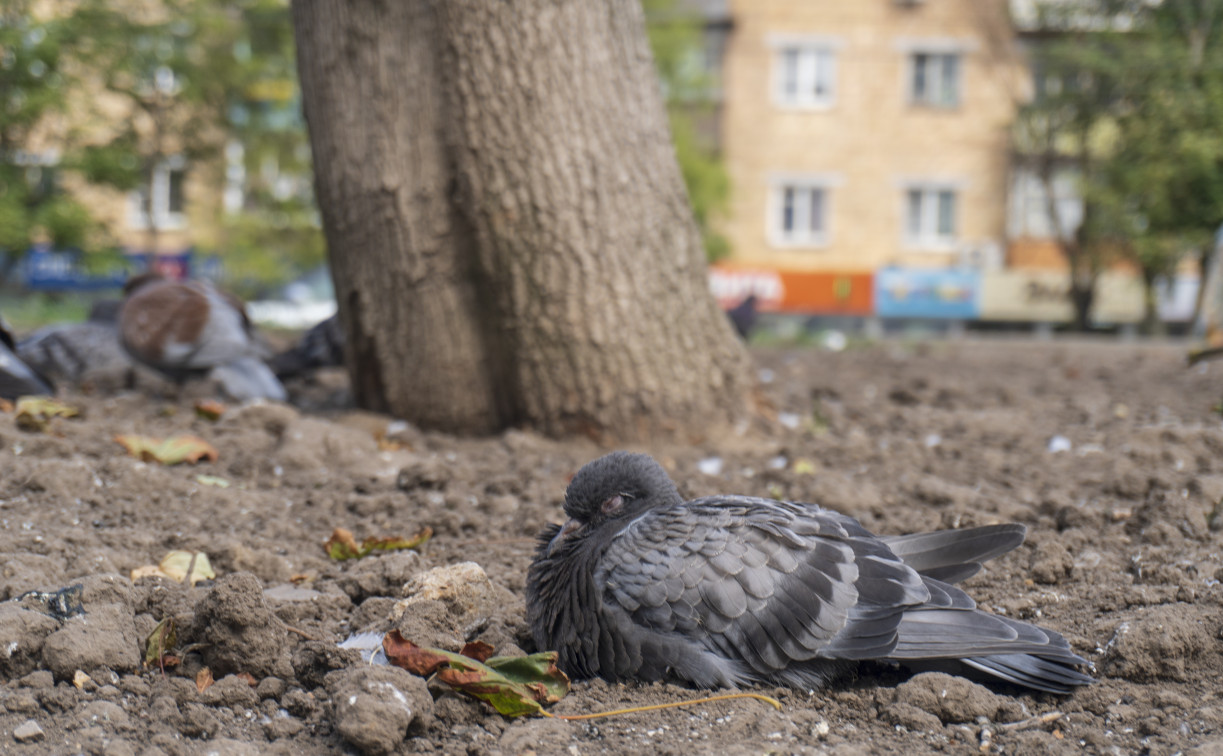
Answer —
1109 453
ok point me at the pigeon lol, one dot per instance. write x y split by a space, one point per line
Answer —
727 591
16 377
69 351
191 329
743 316
321 346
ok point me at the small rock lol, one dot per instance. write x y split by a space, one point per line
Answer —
23 632
232 691
951 699
429 473
442 605
28 732
105 636
241 632
1050 563
105 711
270 687
1059 444
374 706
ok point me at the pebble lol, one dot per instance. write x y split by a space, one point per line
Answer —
28 732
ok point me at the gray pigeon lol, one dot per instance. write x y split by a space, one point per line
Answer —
727 591
192 329
16 377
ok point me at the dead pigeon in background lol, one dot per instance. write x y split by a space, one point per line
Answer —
321 346
16 377
733 590
191 329
743 316
70 351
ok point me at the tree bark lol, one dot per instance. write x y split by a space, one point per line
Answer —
508 229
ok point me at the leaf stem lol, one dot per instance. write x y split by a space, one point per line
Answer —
655 707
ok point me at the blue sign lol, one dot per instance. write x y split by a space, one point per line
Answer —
946 293
61 270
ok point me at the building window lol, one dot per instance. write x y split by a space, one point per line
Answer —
799 214
930 217
806 76
934 79
168 201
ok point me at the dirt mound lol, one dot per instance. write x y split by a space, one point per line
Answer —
1109 454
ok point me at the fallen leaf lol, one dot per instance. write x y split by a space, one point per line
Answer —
162 639
478 650
175 566
514 686
342 545
203 679
34 413
250 679
80 679
300 577
149 570
212 480
171 451
210 409
181 565
6 405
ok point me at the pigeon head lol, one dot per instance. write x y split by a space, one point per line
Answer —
613 489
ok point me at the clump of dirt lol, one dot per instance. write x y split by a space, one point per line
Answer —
1121 559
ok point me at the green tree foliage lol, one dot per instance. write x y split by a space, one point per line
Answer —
33 85
676 38
1129 99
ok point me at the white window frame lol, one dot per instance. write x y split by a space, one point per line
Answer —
801 189
816 60
938 49
138 218
929 235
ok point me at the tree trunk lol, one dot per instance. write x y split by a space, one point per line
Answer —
508 229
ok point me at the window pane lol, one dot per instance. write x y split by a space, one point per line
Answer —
176 191
823 74
787 212
920 62
789 74
914 212
946 213
817 212
949 94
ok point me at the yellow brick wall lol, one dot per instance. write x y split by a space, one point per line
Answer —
871 139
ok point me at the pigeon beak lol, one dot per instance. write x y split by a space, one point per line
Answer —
564 534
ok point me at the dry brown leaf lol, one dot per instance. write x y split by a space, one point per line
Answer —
203 679
250 679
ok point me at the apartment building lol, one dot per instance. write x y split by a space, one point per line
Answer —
869 134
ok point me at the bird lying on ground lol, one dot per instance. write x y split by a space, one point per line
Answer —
321 346
69 351
190 329
733 590
16 377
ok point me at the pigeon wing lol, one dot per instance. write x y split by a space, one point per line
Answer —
768 585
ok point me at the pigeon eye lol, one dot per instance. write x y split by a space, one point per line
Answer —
612 505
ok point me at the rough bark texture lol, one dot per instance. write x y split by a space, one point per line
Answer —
509 232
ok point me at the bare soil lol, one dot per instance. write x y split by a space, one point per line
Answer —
1109 453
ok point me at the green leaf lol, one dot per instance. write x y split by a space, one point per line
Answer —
514 686
342 545
163 638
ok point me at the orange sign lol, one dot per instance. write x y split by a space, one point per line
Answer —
794 291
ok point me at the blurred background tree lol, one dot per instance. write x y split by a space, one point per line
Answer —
34 85
691 91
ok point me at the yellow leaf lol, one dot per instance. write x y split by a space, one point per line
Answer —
176 564
171 451
149 570
79 679
34 413
212 480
